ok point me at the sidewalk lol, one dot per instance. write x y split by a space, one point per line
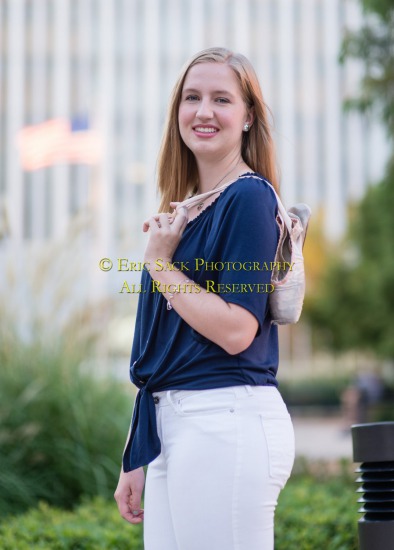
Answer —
322 438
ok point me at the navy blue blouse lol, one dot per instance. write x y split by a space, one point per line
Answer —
227 249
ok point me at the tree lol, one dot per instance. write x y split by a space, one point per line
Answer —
353 306
374 45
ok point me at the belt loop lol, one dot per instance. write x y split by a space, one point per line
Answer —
169 399
249 390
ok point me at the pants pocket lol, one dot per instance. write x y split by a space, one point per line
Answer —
279 436
206 402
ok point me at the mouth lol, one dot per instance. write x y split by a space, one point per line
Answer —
205 130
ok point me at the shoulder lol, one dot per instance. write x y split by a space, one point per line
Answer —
251 189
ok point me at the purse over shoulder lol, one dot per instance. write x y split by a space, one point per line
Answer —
288 275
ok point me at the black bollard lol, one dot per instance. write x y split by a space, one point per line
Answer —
373 446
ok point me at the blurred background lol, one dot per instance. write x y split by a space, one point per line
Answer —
84 87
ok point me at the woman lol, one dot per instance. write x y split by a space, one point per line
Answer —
208 418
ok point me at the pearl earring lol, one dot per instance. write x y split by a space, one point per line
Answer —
246 127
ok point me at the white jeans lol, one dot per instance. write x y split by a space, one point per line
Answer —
226 454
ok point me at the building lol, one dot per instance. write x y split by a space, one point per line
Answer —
104 69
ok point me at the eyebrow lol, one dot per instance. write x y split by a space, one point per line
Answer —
219 92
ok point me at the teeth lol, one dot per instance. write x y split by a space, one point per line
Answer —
206 130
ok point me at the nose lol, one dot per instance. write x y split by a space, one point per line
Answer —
204 111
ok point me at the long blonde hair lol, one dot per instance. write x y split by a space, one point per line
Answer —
177 169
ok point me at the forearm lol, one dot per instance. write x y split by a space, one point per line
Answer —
228 325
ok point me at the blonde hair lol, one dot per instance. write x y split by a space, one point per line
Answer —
177 169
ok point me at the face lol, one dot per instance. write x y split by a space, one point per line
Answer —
212 112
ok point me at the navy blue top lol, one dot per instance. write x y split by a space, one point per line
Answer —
239 227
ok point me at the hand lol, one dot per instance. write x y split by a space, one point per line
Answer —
166 232
128 495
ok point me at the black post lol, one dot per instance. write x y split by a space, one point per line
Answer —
373 446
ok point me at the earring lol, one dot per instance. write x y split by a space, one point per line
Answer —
246 127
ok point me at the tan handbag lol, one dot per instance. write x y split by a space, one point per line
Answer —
288 275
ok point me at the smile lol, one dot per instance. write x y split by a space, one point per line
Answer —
205 130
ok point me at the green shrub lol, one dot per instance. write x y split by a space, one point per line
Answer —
92 526
317 514
313 514
383 412
320 391
62 430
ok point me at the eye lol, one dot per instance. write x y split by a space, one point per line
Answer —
222 100
191 97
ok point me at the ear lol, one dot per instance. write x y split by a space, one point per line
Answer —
250 116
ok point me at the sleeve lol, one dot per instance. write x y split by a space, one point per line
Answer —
243 241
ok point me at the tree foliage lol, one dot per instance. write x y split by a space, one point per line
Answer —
353 308
374 45
354 304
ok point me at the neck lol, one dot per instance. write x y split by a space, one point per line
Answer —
211 173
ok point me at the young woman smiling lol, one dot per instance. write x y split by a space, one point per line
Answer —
208 417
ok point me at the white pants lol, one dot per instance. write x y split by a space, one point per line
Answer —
226 454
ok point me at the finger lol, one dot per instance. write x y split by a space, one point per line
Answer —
182 208
145 226
132 518
150 223
153 223
176 206
156 218
160 219
181 219
135 504
127 512
164 221
136 512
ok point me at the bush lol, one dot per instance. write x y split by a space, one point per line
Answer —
320 391
313 513
92 526
317 514
62 430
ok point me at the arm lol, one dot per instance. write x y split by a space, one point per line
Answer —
128 494
228 325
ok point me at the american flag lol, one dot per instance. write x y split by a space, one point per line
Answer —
58 140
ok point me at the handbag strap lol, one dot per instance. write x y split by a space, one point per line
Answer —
191 201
